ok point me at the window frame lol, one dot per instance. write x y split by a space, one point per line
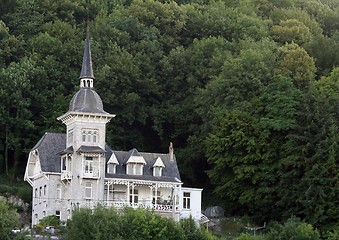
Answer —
88 187
186 200
111 168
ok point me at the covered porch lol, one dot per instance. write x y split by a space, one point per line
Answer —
159 196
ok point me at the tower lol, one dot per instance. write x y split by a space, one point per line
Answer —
83 159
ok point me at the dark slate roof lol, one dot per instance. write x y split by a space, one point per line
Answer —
86 100
92 149
49 147
87 69
52 144
67 150
169 174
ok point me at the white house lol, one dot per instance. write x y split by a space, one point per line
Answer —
78 169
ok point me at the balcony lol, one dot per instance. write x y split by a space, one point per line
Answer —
143 204
66 176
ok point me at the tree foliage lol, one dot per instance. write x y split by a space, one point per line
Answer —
139 224
246 90
9 219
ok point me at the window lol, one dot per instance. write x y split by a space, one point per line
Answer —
129 168
36 220
95 136
57 214
138 168
58 191
89 165
111 168
70 136
156 197
187 200
157 171
36 192
135 168
45 190
90 135
64 163
133 195
44 213
84 136
69 163
88 190
40 191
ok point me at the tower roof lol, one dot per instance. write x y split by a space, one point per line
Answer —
87 69
86 100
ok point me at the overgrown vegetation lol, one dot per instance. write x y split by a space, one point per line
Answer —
248 91
9 219
130 224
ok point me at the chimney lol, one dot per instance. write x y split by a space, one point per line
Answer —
171 151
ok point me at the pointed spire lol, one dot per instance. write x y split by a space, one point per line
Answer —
86 75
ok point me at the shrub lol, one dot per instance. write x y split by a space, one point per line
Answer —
292 229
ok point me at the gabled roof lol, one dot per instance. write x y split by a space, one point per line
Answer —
113 159
133 156
159 163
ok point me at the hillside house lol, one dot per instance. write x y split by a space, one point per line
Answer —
79 169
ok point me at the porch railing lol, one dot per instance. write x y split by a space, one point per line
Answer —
155 207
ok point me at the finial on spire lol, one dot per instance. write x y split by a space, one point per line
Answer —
86 75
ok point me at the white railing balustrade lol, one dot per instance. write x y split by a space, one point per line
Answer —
144 204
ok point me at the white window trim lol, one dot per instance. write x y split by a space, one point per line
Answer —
132 169
111 168
89 135
186 200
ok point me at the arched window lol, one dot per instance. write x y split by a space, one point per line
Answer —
89 136
95 136
84 136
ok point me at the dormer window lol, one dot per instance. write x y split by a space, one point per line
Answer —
157 167
111 168
135 168
135 163
112 164
157 171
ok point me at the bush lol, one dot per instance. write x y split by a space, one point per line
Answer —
130 224
246 236
292 229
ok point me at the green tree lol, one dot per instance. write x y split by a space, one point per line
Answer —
296 64
9 219
290 31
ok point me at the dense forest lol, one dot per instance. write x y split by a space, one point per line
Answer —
247 90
